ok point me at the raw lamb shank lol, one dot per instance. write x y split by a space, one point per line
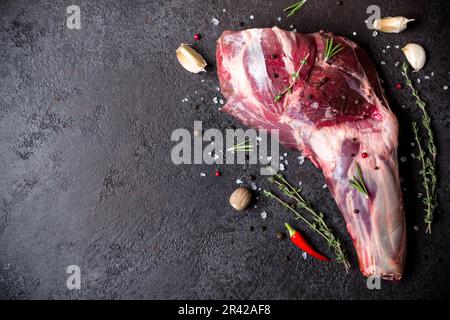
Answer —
334 112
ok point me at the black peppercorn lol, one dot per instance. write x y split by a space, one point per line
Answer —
356 211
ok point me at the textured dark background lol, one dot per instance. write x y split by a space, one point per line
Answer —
86 177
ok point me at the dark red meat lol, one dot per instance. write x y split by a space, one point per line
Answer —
336 115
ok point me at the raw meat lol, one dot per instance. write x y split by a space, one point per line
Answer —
336 115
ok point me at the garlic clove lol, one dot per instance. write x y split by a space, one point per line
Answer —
415 54
190 59
391 24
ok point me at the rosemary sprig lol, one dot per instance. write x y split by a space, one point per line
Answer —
293 9
426 172
295 76
317 222
426 120
331 50
428 158
358 183
242 146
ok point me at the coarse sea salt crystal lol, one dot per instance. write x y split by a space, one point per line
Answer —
301 160
300 183
384 51
263 214
304 255
445 87
397 46
215 21
279 18
239 181
253 185
416 228
403 159
281 157
281 167
202 174
383 63
388 46
215 100
324 186
285 154
418 80
354 33
252 17
396 64
221 101
427 77
374 34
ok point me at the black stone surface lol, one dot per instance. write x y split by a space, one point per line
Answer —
86 118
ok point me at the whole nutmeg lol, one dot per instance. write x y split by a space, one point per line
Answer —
240 198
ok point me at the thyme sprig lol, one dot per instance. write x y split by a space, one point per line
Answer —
295 76
426 173
294 8
426 156
331 50
316 221
358 183
242 146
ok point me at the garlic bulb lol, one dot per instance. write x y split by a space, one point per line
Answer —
190 59
391 24
415 54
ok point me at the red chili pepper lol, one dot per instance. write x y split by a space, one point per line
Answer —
300 242
364 154
398 86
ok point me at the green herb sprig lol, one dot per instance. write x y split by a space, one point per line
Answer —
427 156
316 221
293 9
428 180
295 76
243 146
358 183
331 50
